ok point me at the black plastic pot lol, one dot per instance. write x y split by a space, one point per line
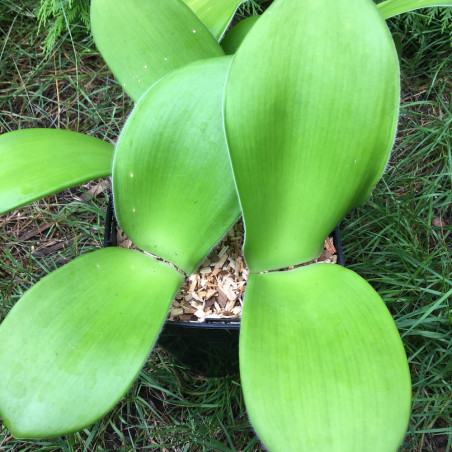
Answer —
209 348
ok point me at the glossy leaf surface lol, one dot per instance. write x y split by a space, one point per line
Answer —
38 162
234 37
216 14
322 365
173 187
392 8
143 41
309 134
75 342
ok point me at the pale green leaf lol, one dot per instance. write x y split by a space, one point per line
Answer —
173 187
143 41
392 8
234 37
310 119
75 342
216 14
322 365
37 162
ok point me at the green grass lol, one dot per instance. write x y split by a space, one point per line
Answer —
399 240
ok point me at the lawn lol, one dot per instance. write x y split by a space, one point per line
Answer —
399 240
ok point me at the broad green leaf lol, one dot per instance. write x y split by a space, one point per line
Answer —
37 162
173 187
143 41
309 125
392 8
75 342
234 37
322 365
215 14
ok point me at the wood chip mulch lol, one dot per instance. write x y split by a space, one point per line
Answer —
217 288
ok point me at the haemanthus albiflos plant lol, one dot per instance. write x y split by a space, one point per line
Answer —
310 93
